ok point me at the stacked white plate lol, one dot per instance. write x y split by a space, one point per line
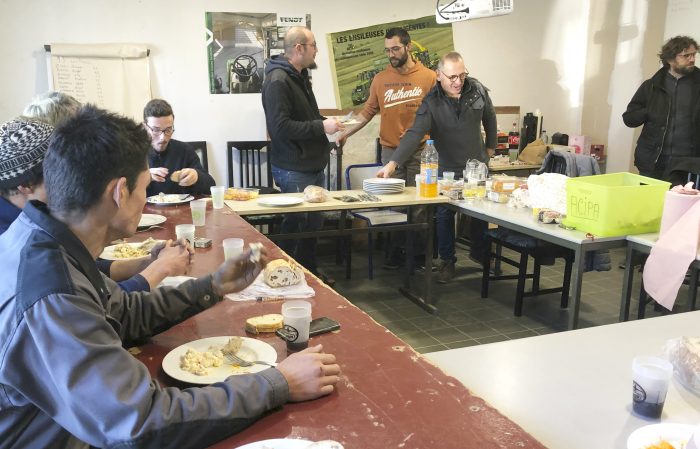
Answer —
383 186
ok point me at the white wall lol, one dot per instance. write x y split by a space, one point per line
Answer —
534 58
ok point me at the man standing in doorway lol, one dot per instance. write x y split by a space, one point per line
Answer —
174 165
668 105
452 113
299 145
396 93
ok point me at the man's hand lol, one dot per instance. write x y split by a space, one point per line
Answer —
387 170
342 138
167 259
332 126
310 373
158 174
188 176
491 152
237 273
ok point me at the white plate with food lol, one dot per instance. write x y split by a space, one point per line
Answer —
181 368
280 201
653 436
174 281
135 250
151 220
170 199
290 443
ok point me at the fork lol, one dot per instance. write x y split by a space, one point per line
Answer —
150 228
233 359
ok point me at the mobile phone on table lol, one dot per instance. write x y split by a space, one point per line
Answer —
318 326
322 325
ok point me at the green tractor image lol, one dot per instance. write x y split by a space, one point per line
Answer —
360 93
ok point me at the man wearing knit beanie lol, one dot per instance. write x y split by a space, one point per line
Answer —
23 145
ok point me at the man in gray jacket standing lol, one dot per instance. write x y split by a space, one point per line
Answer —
300 149
452 113
65 378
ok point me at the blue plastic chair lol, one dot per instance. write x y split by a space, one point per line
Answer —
354 175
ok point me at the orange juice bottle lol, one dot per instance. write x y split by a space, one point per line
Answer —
429 171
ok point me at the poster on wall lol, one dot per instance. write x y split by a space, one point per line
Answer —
239 45
358 54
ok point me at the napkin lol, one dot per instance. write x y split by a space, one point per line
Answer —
676 248
259 289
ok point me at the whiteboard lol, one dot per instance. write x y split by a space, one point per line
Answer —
112 76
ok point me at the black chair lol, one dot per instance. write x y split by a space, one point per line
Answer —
253 158
542 253
253 162
200 147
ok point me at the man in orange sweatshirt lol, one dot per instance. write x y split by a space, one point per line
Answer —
396 93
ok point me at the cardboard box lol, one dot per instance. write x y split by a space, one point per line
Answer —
582 143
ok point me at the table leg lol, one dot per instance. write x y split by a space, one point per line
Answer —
576 281
626 297
426 302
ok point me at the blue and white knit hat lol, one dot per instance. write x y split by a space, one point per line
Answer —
23 145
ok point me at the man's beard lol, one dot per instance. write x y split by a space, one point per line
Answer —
687 70
398 62
312 66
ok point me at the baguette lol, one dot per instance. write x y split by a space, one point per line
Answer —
264 323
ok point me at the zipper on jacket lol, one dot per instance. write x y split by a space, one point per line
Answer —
663 137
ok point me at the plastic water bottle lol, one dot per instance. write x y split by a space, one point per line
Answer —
544 137
429 171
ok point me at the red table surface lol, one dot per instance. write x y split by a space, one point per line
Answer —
388 395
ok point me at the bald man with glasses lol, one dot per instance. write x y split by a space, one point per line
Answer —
174 165
668 106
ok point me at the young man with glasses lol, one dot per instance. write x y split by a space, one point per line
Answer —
174 165
396 93
668 105
452 113
299 146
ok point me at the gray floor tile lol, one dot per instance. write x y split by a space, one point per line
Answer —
477 330
492 339
462 344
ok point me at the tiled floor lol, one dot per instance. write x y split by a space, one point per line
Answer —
464 318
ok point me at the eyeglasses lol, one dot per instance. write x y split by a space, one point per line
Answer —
311 45
453 79
687 55
393 50
157 131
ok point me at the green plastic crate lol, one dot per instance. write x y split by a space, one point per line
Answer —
615 204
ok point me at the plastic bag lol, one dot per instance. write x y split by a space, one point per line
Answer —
684 355
316 194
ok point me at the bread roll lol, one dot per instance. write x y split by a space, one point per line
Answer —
316 194
175 176
264 323
282 273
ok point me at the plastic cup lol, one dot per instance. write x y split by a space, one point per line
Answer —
217 197
512 155
199 209
297 319
232 247
185 231
449 175
651 376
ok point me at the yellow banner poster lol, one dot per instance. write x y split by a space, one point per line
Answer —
358 54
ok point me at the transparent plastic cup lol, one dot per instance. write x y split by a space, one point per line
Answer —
185 231
199 212
217 196
232 247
